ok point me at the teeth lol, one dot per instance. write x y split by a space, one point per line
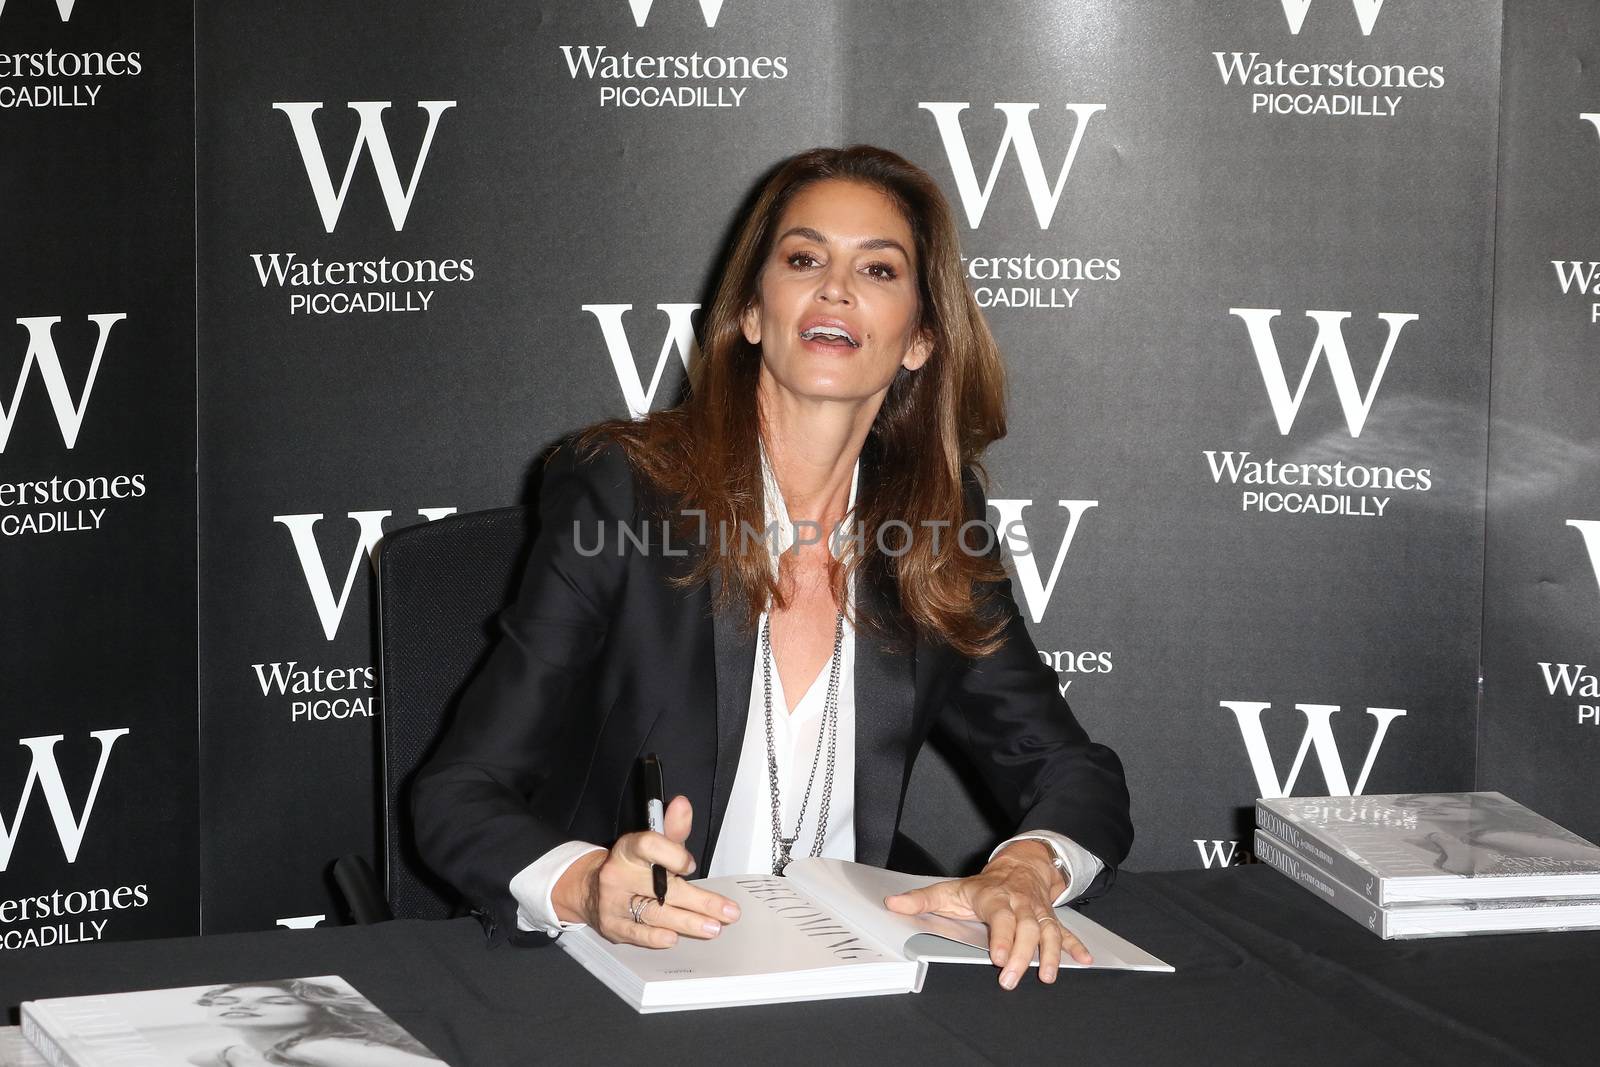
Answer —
829 331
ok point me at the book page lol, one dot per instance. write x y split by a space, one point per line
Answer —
781 928
857 891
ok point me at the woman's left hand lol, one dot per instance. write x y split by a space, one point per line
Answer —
1012 896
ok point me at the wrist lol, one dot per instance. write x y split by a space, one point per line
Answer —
574 892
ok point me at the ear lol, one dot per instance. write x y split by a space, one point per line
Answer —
750 323
919 351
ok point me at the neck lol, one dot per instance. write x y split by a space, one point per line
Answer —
812 447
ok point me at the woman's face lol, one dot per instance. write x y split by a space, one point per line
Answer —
260 1006
837 308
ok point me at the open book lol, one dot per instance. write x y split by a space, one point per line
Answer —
820 931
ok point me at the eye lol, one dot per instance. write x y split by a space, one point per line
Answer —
883 271
801 260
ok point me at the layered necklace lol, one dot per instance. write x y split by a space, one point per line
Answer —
782 846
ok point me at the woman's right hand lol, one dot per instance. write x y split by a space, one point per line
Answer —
600 887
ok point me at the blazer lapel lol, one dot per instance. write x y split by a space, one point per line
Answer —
885 688
735 650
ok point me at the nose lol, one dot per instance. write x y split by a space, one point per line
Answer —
834 286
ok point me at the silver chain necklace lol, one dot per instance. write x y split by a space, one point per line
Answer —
781 845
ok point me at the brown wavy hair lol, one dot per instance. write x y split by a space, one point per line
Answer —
934 424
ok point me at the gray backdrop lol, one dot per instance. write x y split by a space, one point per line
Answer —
1243 257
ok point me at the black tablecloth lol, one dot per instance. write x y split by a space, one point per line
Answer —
1266 974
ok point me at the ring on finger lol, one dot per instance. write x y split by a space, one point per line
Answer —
636 907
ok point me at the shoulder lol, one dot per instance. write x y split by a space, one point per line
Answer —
636 466
588 477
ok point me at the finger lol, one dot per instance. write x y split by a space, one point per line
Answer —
624 931
690 897
1002 923
679 818
918 901
1020 954
681 920
1075 948
1050 934
645 848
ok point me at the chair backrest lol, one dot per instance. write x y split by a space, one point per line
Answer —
440 587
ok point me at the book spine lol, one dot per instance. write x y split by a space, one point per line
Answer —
1333 862
1293 864
37 1035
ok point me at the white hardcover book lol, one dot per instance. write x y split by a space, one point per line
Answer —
15 1050
291 1020
1431 919
1405 847
820 931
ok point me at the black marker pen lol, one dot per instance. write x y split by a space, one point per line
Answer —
655 815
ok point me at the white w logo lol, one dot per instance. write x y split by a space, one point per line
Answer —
370 135
1035 589
1019 133
65 7
303 529
1366 12
1318 735
44 771
641 10
42 350
680 336
1590 529
1330 342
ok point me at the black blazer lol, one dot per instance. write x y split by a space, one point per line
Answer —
601 660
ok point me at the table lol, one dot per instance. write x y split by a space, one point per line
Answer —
1266 974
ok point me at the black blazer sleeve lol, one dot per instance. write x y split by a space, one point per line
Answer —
1007 713
475 803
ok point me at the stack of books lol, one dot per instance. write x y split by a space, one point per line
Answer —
1433 864
323 1019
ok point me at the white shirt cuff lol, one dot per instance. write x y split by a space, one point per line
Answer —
533 885
1083 866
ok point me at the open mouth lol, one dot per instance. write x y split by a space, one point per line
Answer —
833 336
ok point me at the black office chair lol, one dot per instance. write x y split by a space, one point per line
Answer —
441 586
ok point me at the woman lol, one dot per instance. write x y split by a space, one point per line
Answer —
787 687
306 1023
1483 834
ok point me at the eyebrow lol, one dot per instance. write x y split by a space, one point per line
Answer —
871 244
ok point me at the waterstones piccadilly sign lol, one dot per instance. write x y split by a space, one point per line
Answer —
42 503
1019 536
1580 278
308 692
359 284
639 397
1316 485
1327 86
632 74
66 914
55 78
1577 685
1042 275
1318 738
